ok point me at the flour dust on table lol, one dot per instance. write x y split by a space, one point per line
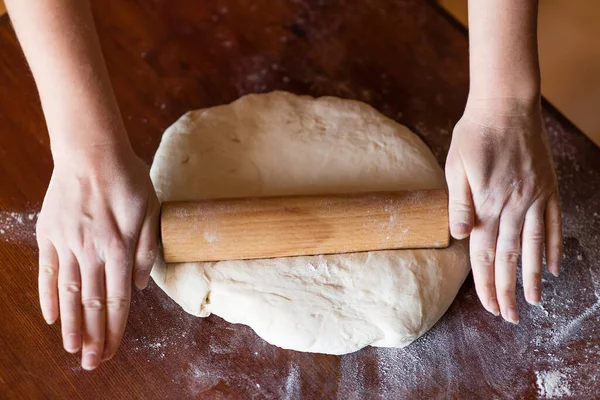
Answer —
282 144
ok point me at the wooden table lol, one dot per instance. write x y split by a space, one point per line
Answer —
407 59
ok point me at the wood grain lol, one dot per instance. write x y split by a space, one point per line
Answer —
405 58
283 226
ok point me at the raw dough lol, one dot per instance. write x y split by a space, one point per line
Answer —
280 143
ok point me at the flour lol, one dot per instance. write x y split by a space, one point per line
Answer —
552 384
569 327
352 374
292 384
211 235
18 227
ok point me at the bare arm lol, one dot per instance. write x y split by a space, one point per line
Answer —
501 181
62 48
98 225
503 50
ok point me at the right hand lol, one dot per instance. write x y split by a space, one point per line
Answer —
98 229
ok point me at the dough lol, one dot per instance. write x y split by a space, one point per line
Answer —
279 143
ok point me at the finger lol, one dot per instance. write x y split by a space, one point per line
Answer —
118 297
460 204
483 253
48 280
69 295
507 254
94 313
533 245
146 249
554 244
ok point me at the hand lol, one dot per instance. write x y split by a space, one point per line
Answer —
503 193
98 224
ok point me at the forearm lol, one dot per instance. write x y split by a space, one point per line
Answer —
503 50
60 43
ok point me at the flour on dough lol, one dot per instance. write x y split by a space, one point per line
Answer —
279 143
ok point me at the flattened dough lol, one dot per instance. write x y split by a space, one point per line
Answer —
279 143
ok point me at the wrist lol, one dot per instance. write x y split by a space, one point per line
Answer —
83 116
521 90
86 135
519 79
93 159
509 106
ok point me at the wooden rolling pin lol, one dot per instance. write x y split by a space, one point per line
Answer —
245 228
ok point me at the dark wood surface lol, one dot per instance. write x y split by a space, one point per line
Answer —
405 58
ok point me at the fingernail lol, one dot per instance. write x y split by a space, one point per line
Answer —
493 306
460 228
143 283
106 355
50 321
555 270
513 315
533 296
72 343
90 361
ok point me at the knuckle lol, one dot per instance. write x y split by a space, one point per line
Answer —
459 207
117 303
488 211
89 258
520 200
119 250
487 197
48 270
93 304
534 234
72 288
90 252
117 246
483 257
525 189
508 257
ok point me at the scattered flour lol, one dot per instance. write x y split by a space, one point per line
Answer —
292 384
18 227
568 328
352 373
211 235
552 384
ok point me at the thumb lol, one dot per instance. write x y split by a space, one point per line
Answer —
460 203
147 247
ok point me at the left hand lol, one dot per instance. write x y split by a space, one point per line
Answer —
503 193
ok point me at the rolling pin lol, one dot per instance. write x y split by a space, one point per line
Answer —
279 226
